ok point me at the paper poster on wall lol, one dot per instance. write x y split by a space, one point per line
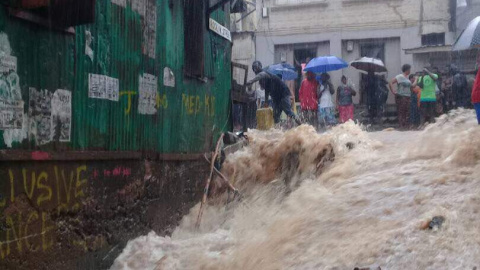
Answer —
149 28
103 87
122 3
139 6
147 94
40 115
11 102
62 115
112 89
168 77
88 43
8 63
11 114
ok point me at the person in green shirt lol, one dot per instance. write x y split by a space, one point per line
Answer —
428 99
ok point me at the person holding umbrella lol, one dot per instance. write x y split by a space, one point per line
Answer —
371 66
277 89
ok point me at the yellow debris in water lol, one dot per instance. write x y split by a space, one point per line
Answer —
265 119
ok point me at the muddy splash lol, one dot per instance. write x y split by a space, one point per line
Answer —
363 206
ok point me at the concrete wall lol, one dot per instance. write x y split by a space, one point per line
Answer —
397 23
345 15
394 40
243 52
80 214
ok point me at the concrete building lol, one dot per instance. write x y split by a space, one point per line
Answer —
292 30
437 52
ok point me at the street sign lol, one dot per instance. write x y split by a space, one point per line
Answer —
220 30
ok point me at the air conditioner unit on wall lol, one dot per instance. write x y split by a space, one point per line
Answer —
350 46
265 12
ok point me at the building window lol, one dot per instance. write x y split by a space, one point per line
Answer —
194 25
433 39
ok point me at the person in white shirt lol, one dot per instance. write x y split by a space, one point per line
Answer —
326 108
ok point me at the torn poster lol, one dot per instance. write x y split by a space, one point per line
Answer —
40 116
139 6
112 89
11 114
8 63
62 115
147 91
103 87
88 43
168 77
149 28
122 3
11 102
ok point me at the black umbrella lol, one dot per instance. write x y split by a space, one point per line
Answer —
470 37
369 64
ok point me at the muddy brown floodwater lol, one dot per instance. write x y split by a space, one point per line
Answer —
366 207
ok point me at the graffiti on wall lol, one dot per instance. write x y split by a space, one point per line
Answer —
194 104
29 193
37 203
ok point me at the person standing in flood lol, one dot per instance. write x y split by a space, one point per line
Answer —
372 96
460 88
428 99
308 98
402 95
382 96
476 95
415 102
345 93
326 108
275 87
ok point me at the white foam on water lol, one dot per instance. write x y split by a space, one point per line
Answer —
364 209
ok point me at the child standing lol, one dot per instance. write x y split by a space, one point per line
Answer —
345 93
326 109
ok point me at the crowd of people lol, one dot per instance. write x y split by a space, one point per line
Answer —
317 102
419 97
423 96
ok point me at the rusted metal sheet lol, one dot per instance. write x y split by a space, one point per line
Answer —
19 155
136 54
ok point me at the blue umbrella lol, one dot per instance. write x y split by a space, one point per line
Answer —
325 64
287 71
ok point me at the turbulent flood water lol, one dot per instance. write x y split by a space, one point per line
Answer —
354 199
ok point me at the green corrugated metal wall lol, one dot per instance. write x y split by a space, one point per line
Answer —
56 60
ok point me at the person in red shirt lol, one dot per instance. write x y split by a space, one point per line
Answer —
308 98
476 95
